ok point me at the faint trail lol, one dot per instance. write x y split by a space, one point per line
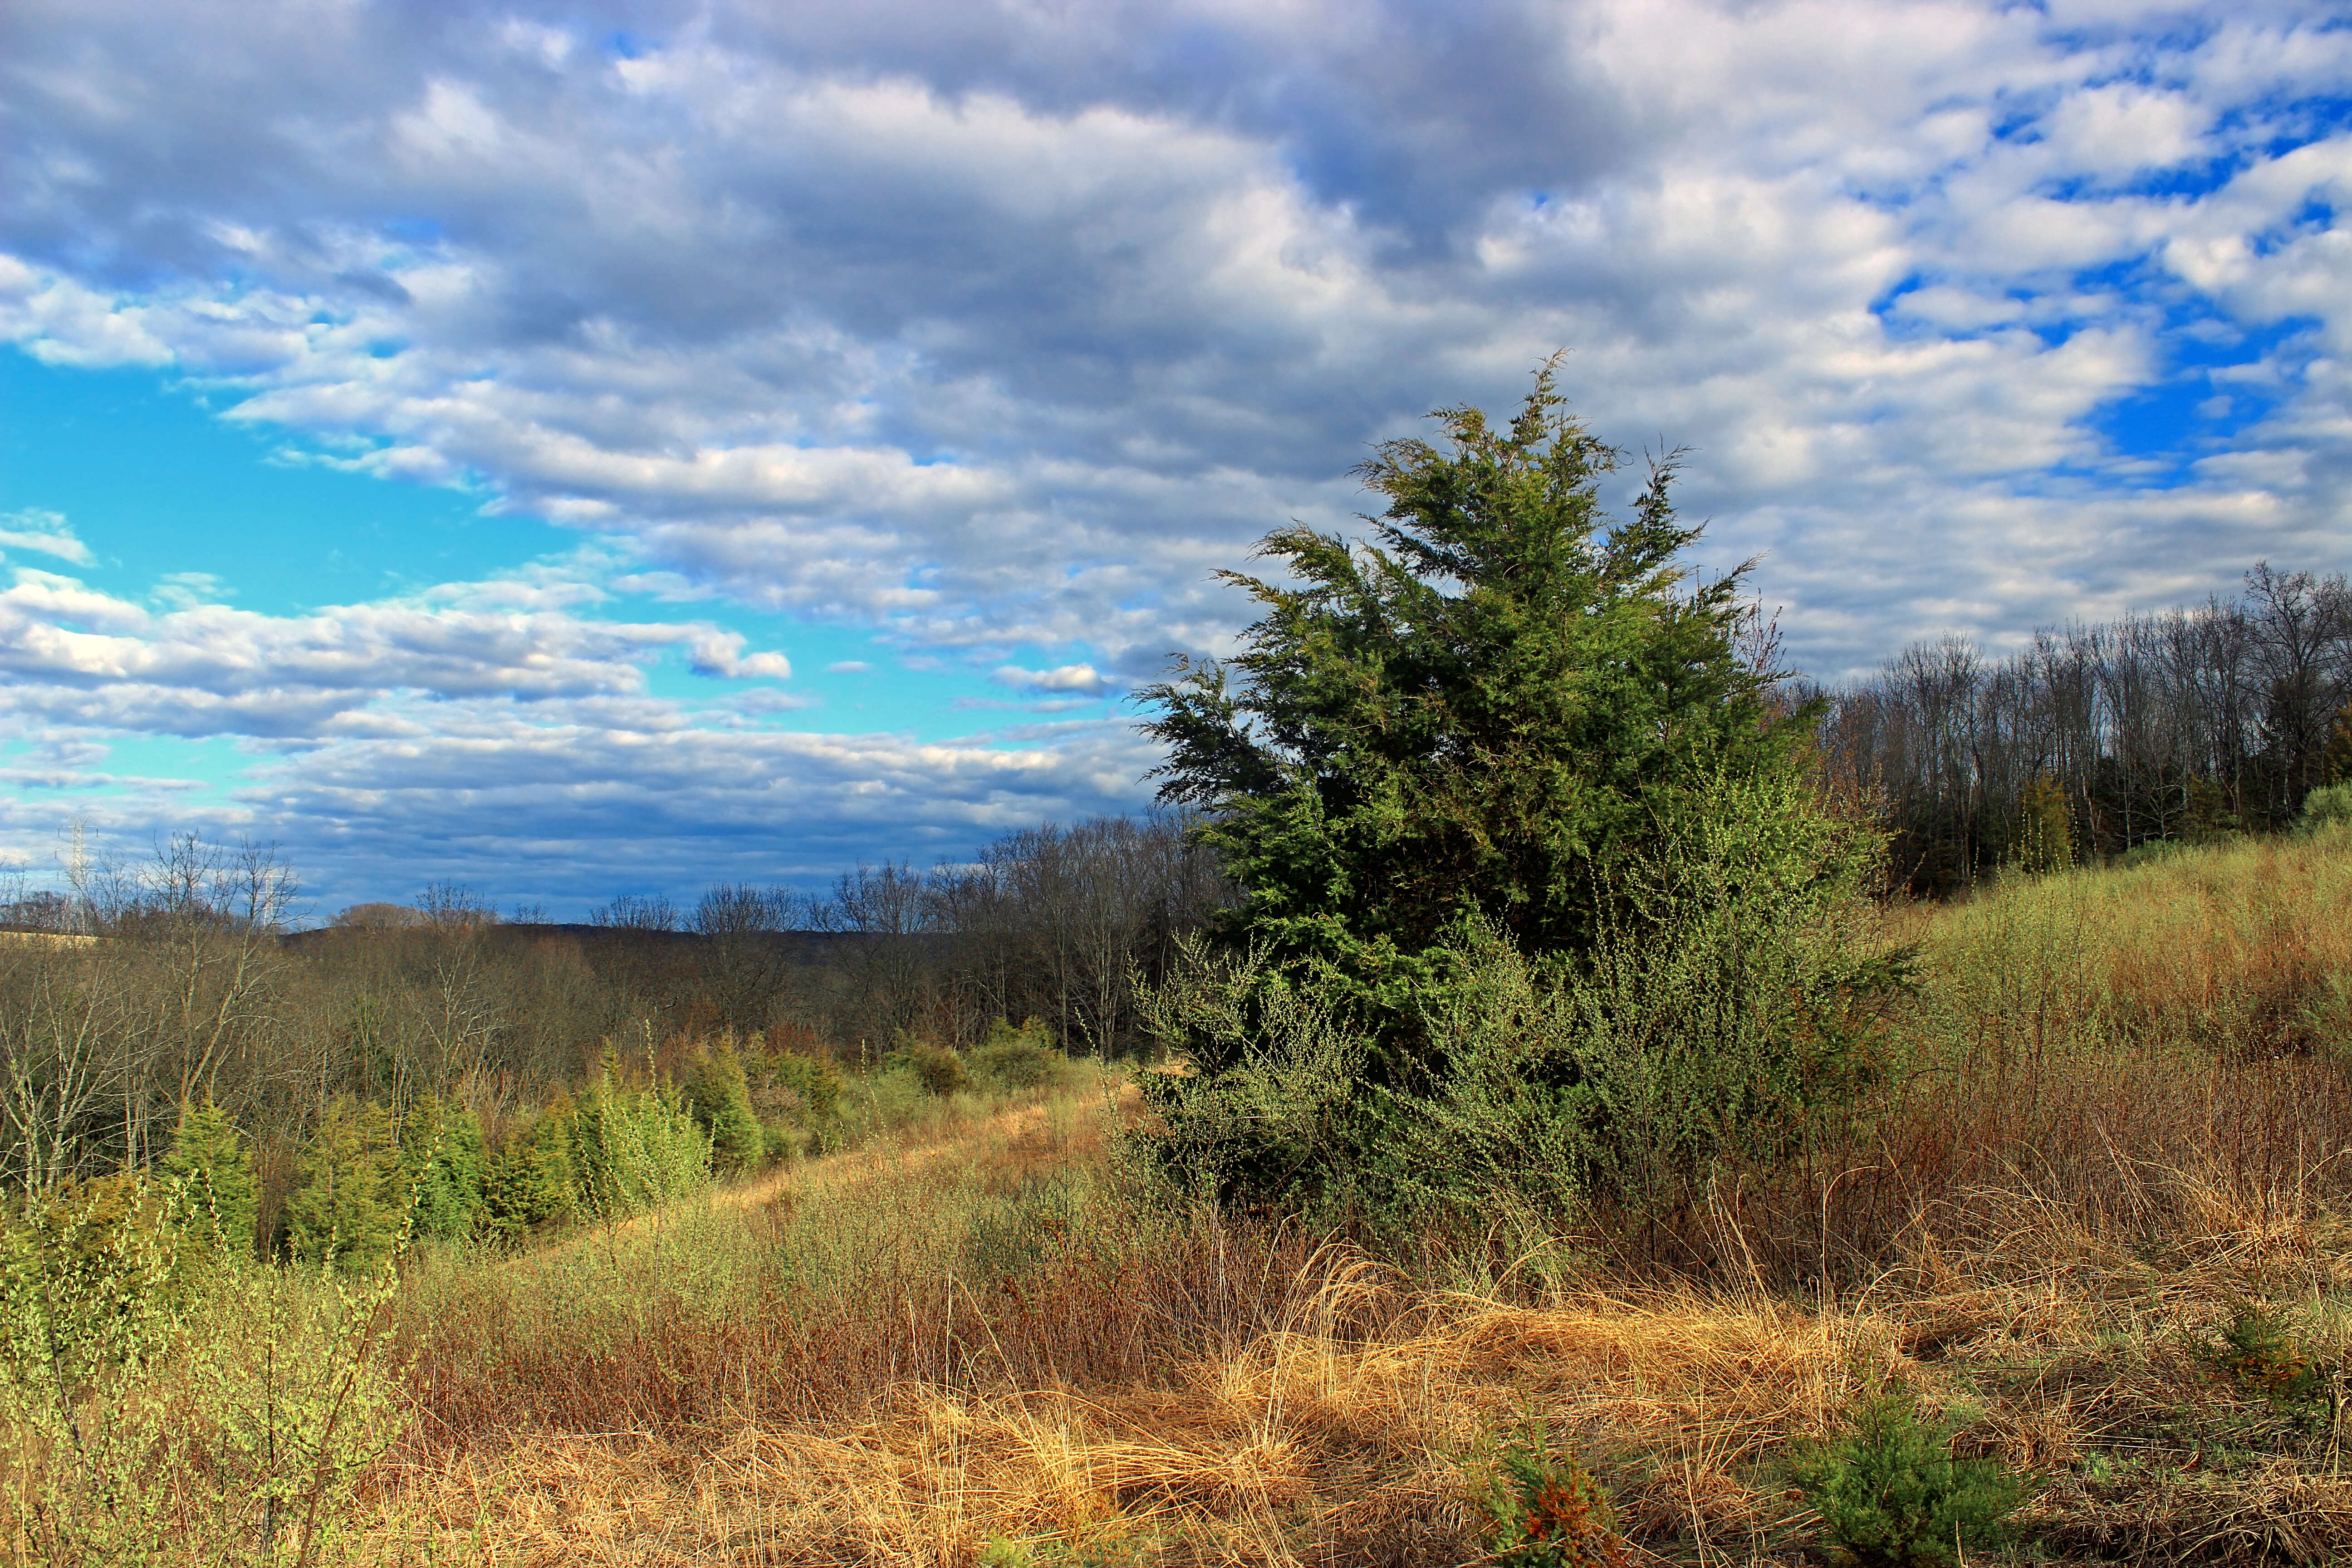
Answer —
864 1163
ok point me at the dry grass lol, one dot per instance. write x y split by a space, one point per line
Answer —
2123 1121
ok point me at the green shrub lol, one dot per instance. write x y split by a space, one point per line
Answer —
215 1195
85 1279
347 1210
1019 1059
633 1149
719 1095
937 1067
443 1165
1548 1511
813 1084
2324 808
1894 1496
1739 1014
1276 1116
87 1301
530 1182
2259 1350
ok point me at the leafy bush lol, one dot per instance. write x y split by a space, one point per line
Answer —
1550 1512
937 1067
1268 1106
2324 808
1021 1059
86 1301
215 1197
346 1210
634 1148
1740 1016
1894 1496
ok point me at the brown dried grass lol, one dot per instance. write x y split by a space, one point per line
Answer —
2123 1118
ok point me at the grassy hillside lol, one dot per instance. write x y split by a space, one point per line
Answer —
2095 1221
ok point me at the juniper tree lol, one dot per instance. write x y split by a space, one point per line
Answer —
1500 704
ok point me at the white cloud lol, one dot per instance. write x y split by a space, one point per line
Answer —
42 533
1063 677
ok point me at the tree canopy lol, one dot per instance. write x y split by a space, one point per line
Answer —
1499 704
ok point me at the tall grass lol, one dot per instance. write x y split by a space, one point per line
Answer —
2120 1131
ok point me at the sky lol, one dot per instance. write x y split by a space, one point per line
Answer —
586 448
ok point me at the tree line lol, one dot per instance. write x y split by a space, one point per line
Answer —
143 990
2096 739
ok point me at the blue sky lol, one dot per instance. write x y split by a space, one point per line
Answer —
617 447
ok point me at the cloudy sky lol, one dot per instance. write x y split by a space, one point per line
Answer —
571 449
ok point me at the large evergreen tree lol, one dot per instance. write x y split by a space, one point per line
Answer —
1500 705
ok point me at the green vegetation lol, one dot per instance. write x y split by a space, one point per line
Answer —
1506 707
211 1167
1548 1511
1538 899
347 1210
1892 1495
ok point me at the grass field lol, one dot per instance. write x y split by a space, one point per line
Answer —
2123 1135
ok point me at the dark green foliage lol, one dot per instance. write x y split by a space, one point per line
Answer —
1892 1496
443 1164
802 1089
1550 1512
1747 1014
937 1067
214 1195
347 1209
720 1098
530 1181
1021 1058
1502 708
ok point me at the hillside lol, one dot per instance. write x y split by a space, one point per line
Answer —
2097 1224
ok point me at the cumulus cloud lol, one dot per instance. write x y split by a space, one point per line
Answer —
992 328
1063 677
80 656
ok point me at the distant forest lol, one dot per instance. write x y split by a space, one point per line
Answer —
2178 725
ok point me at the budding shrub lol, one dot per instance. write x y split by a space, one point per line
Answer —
1021 1059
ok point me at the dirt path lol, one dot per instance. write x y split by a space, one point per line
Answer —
881 1156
